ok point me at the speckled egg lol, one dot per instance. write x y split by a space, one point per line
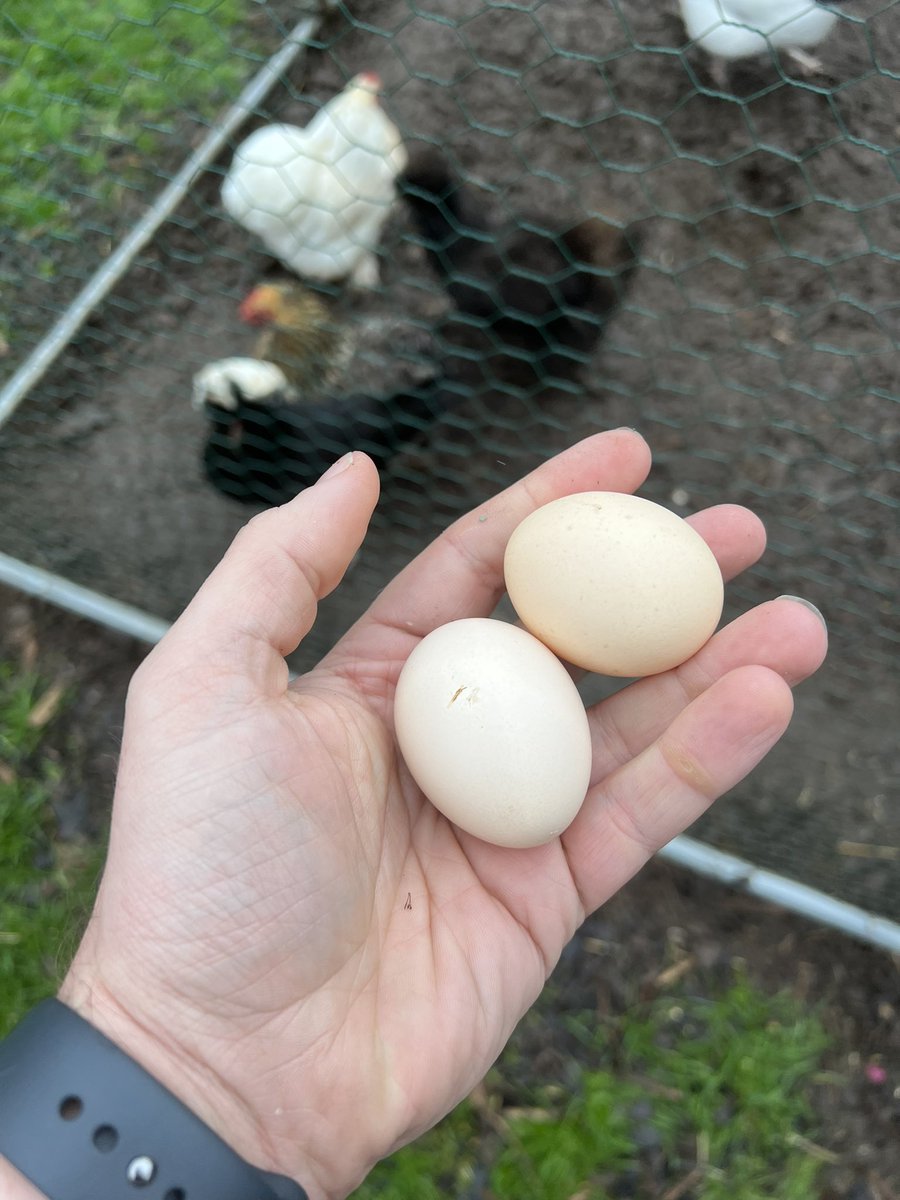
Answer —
614 583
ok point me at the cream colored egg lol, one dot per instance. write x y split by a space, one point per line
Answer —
614 583
494 732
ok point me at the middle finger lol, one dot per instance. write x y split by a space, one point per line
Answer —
784 634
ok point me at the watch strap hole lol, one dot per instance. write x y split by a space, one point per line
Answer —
71 1108
105 1138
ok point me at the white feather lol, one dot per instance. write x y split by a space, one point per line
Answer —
735 29
319 196
255 380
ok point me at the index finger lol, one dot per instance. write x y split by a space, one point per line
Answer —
461 573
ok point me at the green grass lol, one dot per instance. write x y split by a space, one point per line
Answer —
742 1065
84 78
45 888
557 1151
721 1084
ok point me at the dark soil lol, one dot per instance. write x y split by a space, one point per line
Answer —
756 352
622 956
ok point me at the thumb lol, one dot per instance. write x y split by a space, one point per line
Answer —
261 600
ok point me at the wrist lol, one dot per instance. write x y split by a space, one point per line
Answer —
163 1055
14 1186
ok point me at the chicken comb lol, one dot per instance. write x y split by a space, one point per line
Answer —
370 80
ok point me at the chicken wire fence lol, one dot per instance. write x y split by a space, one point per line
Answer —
732 296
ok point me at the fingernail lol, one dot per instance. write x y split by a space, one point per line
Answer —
337 467
807 604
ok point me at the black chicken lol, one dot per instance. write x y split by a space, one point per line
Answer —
531 298
263 449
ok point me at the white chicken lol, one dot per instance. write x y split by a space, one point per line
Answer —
318 196
733 29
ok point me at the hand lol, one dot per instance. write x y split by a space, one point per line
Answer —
287 933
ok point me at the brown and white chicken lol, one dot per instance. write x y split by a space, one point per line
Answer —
318 196
320 384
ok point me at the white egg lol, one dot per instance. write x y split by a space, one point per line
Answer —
494 732
614 583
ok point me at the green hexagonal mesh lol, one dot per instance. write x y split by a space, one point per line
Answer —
754 343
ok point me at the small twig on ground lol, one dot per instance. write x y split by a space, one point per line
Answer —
594 945
868 850
484 1105
652 1088
672 974
684 1185
813 1149
702 1149
538 1116
45 709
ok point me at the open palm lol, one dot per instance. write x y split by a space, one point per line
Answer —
287 933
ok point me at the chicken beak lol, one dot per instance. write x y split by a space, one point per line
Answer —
253 309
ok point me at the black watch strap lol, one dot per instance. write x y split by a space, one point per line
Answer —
83 1121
